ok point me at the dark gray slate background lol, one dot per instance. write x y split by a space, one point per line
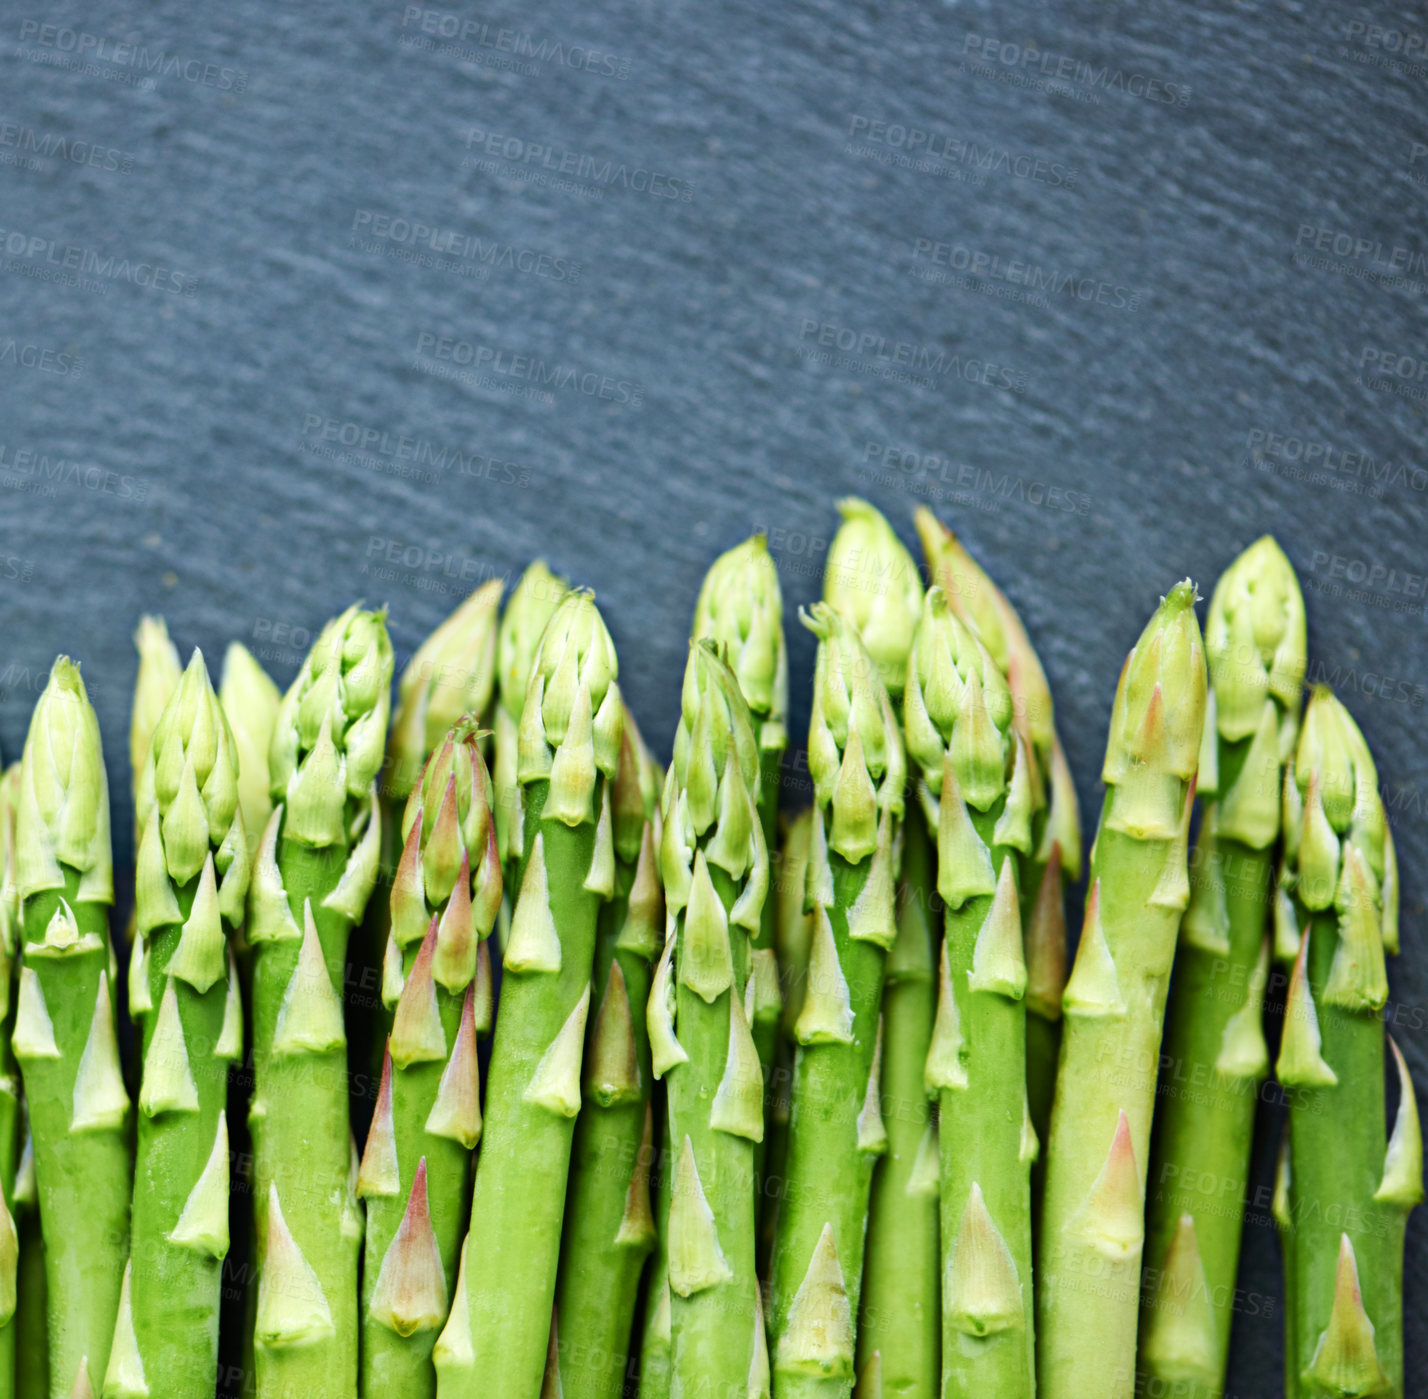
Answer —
1139 442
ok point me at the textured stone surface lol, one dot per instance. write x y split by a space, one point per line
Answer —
195 484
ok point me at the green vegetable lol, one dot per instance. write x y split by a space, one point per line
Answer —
191 878
1214 1040
609 1229
716 871
1055 823
32 1358
64 1034
857 763
976 788
1092 1228
250 703
523 624
496 1342
740 608
1348 1197
158 677
315 869
416 1168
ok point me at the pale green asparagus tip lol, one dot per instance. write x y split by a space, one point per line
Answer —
855 749
194 826
158 678
9 892
740 607
1158 715
250 700
532 604
1254 639
331 729
958 706
573 716
449 857
62 813
713 789
1336 847
453 673
872 579
635 791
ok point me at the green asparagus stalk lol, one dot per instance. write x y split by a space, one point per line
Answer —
65 1036
899 1332
793 932
32 1359
416 1167
857 763
1088 1281
977 790
250 703
609 1229
191 879
10 1110
872 579
1215 1053
740 608
496 1341
523 624
315 869
716 872
1055 857
1349 1197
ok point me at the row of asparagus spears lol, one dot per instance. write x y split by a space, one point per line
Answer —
772 1106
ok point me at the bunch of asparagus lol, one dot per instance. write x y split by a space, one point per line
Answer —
774 1109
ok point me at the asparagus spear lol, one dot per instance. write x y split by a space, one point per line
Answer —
609 1229
857 763
496 1344
416 1167
1055 857
530 608
191 878
10 1111
873 580
159 673
740 607
716 870
314 871
1093 1211
250 703
1349 1199
977 791
451 675
1215 1051
65 1036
